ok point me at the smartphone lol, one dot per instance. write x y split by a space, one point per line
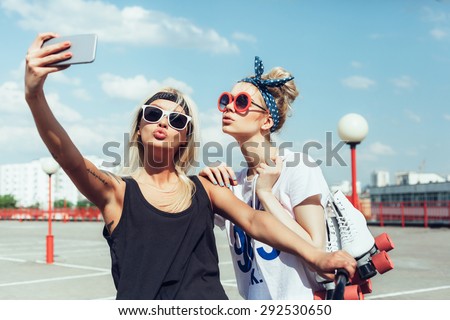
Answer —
83 48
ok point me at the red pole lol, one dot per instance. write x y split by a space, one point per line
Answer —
448 210
381 215
403 214
65 211
49 235
425 214
354 189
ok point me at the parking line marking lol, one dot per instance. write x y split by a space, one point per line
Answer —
401 293
12 259
75 266
53 279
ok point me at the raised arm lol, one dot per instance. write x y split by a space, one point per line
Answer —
266 228
308 220
101 188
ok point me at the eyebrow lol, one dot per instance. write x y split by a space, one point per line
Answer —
171 110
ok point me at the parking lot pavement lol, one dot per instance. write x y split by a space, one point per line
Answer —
82 263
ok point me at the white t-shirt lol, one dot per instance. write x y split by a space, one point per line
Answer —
262 272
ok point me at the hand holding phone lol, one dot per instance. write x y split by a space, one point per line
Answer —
83 48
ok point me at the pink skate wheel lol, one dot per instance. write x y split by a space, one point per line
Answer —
352 292
384 242
382 262
366 286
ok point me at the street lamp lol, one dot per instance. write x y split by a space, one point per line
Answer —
50 166
352 129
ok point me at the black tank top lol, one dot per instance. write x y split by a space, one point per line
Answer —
159 255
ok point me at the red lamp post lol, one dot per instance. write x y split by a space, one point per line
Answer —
50 166
353 128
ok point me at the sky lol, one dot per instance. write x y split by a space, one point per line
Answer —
388 61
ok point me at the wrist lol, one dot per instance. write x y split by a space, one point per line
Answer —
313 256
33 95
263 192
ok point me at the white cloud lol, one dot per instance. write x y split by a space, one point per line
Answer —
380 149
216 145
447 117
12 102
18 73
177 84
404 82
128 25
61 77
61 111
358 82
244 37
82 94
19 138
138 87
356 64
439 34
412 116
376 36
19 141
11 98
428 14
211 128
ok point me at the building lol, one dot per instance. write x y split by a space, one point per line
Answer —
410 187
411 178
346 187
380 179
28 183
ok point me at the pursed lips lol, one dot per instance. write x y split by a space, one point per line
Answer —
227 118
160 133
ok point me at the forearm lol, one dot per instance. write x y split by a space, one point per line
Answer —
52 133
273 206
268 229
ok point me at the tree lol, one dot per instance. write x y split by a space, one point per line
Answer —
35 205
84 204
61 203
7 201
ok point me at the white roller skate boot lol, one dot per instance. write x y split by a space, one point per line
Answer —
333 244
357 240
350 292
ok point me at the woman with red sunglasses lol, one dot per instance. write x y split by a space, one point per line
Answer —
158 221
256 107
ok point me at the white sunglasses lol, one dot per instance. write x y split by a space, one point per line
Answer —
154 114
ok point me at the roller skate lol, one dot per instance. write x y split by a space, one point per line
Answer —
341 288
357 240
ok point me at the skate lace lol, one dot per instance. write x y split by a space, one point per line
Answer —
346 229
332 234
332 244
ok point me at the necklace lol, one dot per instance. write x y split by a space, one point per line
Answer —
162 190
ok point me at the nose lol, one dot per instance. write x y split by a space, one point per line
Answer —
164 122
230 106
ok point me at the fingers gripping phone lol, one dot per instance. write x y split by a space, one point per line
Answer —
83 48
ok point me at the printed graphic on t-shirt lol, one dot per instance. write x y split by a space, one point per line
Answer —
243 247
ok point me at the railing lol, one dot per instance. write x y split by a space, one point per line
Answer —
424 213
58 214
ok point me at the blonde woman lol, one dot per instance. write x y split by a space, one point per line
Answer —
158 221
255 108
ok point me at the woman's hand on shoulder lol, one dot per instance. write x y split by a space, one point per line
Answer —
221 175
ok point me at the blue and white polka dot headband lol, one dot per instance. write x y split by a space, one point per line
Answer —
263 86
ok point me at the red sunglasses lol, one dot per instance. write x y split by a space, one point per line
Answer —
242 101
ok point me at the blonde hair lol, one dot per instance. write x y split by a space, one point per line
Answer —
284 95
185 157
